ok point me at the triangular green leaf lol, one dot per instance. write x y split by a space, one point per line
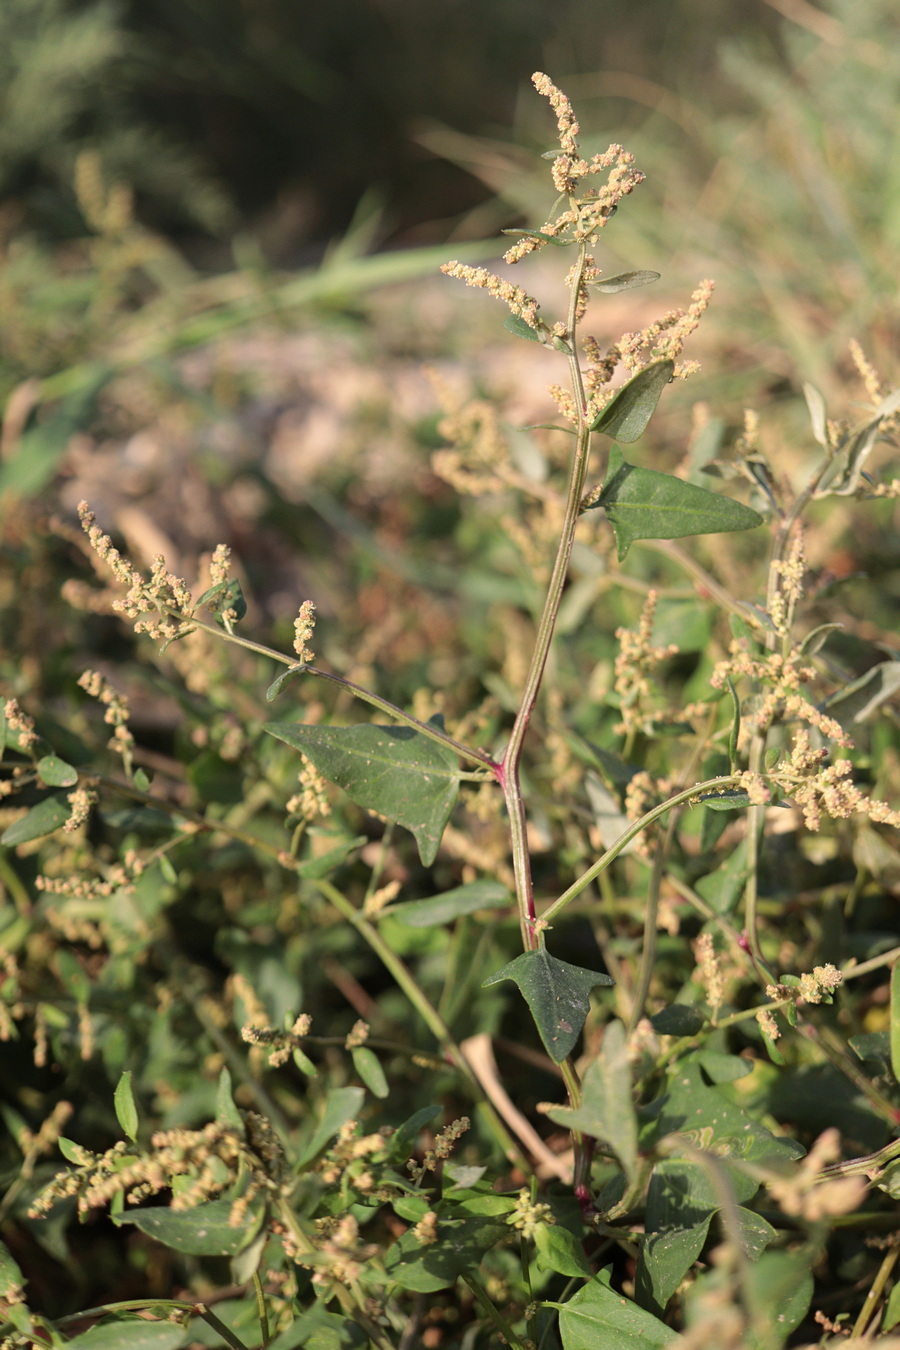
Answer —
646 504
665 1258
599 1318
392 770
42 819
626 417
557 993
607 1110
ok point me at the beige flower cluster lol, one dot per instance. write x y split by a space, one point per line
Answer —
440 1150
636 660
214 1158
783 674
280 1044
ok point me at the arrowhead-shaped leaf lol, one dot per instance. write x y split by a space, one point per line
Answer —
646 504
392 770
607 1110
557 994
600 1318
626 417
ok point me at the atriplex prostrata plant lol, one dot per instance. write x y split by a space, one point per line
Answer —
659 1148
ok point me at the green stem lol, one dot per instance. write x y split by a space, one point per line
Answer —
261 1309
382 704
874 1294
651 915
492 1311
510 769
624 839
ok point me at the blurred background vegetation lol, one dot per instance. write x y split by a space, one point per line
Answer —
220 228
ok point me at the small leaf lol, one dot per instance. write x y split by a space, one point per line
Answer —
327 863
304 1064
318 1329
368 1066
452 904
557 993
202 1231
141 780
816 639
625 281
226 1111
513 324
232 598
167 868
732 799
857 701
70 1151
817 413
646 504
42 819
560 1250
723 887
665 1258
892 1310
607 1110
55 772
625 418
276 686
756 1232
245 1265
392 770
126 1108
846 471
341 1105
11 1277
403 1140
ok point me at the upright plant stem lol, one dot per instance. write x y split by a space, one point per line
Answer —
510 767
